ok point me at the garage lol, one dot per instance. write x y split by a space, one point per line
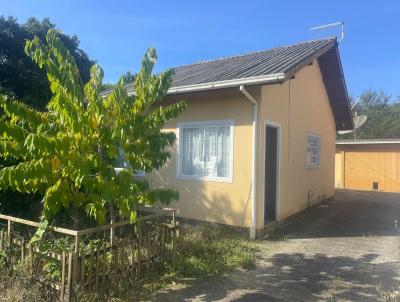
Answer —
368 165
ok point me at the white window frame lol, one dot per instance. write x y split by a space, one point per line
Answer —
313 166
203 124
136 174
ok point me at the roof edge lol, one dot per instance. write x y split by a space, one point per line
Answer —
368 142
300 65
264 79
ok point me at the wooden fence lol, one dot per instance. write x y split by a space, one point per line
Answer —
97 268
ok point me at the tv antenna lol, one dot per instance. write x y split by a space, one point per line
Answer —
325 26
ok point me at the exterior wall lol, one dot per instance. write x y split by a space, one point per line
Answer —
220 202
299 106
365 164
339 169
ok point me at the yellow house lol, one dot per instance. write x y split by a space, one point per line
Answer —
256 143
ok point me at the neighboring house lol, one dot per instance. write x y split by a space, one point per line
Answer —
368 165
256 143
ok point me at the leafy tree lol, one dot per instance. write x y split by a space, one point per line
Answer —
69 153
383 117
19 76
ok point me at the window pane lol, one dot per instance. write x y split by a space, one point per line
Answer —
192 151
122 163
205 151
313 149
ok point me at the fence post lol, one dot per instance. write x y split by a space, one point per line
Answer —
9 232
139 257
112 229
75 265
177 231
173 234
1 239
22 250
77 239
75 272
30 257
69 280
62 290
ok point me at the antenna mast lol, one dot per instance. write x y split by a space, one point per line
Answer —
325 26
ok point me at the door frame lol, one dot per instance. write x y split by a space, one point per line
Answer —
278 165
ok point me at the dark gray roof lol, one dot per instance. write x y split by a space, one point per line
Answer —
278 60
272 61
274 65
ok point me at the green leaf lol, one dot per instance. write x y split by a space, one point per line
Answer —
70 153
40 231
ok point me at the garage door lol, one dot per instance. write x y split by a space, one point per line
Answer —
372 170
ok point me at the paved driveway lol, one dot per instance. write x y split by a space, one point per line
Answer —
341 250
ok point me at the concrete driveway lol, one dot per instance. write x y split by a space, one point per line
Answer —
346 249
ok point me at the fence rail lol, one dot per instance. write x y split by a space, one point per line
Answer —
97 268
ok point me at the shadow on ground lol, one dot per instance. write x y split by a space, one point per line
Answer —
345 249
348 214
299 277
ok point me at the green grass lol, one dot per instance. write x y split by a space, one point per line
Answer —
205 252
202 252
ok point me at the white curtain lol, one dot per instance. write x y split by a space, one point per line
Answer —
205 151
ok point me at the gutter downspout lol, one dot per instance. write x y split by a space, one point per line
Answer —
254 168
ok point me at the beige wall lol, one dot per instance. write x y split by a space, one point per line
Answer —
298 106
220 202
230 203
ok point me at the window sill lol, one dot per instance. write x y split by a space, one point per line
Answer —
206 178
138 174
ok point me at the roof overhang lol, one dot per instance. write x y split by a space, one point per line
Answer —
369 142
264 79
259 80
335 84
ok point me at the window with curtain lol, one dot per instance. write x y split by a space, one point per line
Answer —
313 151
122 163
206 151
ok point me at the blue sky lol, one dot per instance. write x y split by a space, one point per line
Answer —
117 33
